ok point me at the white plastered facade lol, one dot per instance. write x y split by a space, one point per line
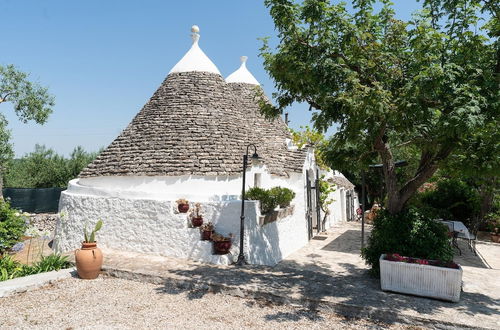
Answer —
140 214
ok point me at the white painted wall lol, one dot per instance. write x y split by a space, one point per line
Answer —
139 214
191 187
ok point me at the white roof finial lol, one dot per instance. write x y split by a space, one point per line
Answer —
195 59
242 75
195 35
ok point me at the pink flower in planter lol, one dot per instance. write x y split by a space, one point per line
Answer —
438 263
422 261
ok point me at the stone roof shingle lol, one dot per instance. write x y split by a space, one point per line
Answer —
197 124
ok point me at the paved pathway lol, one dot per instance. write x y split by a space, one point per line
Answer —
327 275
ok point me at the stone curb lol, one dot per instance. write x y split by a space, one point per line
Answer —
31 282
347 310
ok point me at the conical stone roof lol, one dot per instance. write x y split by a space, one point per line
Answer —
197 124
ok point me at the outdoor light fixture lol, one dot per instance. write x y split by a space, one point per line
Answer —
255 161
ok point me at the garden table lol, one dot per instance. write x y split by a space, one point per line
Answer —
463 232
460 231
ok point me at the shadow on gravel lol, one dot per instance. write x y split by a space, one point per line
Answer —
352 293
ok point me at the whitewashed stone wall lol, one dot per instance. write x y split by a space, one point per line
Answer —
139 214
144 225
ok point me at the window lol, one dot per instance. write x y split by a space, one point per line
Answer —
257 179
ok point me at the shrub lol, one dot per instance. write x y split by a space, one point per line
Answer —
283 196
452 199
267 202
12 226
270 198
409 233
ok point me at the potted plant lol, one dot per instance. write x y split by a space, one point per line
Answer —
182 205
222 244
196 218
283 196
266 200
494 229
89 257
421 277
206 231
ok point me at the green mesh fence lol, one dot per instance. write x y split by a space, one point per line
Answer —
34 200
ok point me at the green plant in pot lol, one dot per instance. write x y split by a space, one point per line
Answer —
270 198
283 196
267 202
89 257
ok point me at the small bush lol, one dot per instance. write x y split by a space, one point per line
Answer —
267 202
409 233
283 196
12 226
270 198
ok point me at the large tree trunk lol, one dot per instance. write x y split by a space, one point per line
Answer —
398 197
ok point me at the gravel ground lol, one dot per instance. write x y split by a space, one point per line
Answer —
115 303
44 221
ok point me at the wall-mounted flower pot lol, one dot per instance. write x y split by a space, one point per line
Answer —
222 247
183 208
197 221
206 235
88 261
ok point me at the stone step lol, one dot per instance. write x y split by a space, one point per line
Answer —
203 250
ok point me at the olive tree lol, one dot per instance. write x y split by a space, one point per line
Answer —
30 101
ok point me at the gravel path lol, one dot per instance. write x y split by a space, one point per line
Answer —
115 303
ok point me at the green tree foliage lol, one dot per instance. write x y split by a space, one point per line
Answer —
44 168
310 137
423 87
30 100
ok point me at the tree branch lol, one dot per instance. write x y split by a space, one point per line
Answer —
427 167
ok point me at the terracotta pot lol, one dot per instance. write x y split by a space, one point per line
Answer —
88 261
206 235
183 208
197 221
495 238
222 247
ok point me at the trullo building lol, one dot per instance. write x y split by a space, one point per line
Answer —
188 141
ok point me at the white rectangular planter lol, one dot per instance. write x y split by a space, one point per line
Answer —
421 280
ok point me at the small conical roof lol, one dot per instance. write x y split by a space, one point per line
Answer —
195 59
242 75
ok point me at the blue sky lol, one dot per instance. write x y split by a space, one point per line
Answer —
103 59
